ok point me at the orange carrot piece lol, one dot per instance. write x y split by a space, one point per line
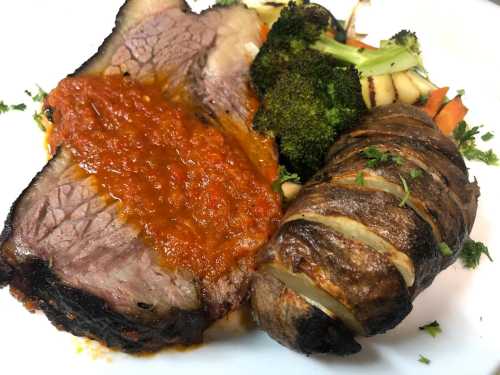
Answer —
359 44
435 101
264 31
452 113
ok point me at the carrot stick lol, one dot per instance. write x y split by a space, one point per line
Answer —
452 113
359 44
263 32
435 101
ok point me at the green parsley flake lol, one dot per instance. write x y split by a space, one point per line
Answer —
487 136
471 253
424 360
360 179
415 173
18 107
445 249
284 176
376 157
432 329
38 119
465 137
461 92
406 190
3 107
39 96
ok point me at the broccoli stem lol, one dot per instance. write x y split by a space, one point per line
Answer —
385 60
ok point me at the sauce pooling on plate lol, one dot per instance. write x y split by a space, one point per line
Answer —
188 187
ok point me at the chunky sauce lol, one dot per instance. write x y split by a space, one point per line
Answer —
190 189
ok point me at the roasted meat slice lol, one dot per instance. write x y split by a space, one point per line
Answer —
73 257
64 249
362 239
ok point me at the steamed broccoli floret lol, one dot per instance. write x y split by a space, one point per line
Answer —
289 39
399 53
306 108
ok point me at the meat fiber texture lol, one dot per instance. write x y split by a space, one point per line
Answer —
358 236
65 251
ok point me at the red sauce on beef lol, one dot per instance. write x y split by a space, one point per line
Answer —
190 188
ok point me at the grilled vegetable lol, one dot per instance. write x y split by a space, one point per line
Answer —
306 97
352 253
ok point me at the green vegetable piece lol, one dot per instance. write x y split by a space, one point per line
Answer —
416 173
461 92
40 95
401 52
445 249
37 116
424 360
465 137
487 136
284 176
3 107
360 179
398 159
471 253
18 107
432 329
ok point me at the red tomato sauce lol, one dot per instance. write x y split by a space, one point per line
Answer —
189 187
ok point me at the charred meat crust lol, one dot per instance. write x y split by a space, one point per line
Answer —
5 273
83 314
294 323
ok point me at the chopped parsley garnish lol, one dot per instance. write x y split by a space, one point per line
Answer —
14 107
463 134
376 157
18 107
360 179
461 92
284 176
424 360
465 137
37 116
3 107
487 136
445 249
471 253
406 190
473 153
415 173
422 100
39 96
432 329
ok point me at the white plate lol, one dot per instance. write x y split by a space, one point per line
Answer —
42 41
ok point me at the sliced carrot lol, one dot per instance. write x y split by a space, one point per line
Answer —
264 31
452 113
435 101
359 44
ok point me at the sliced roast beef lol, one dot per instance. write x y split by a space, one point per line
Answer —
65 249
204 56
63 230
